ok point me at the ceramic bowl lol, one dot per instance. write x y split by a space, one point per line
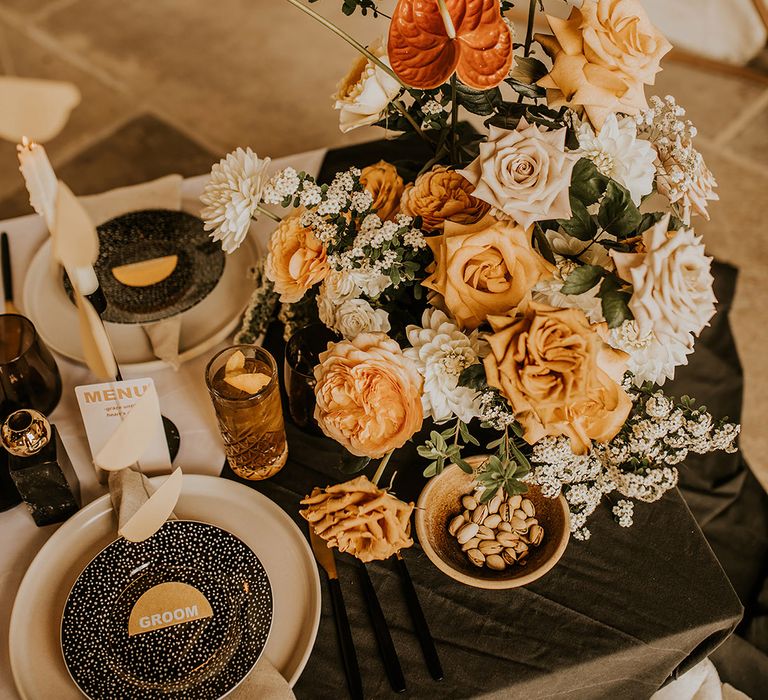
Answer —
440 501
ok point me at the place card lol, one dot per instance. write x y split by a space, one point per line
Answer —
105 406
167 604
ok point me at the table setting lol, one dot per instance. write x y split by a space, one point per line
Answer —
389 419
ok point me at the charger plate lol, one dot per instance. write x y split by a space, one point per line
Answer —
122 636
34 644
46 303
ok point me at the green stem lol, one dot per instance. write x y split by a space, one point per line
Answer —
382 466
529 28
400 107
268 214
352 42
454 119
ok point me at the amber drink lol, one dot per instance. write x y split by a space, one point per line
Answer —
245 393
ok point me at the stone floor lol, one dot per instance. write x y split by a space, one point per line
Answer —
171 85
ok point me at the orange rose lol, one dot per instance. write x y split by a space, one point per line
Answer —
368 395
483 270
558 375
442 195
296 260
603 55
386 186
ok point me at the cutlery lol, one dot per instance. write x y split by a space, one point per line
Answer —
428 647
381 631
5 260
324 556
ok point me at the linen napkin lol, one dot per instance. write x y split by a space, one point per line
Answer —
163 193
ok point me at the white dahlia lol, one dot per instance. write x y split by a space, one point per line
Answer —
441 352
619 154
649 360
232 195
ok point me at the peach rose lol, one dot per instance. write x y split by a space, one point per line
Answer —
441 195
603 54
483 270
386 186
368 395
558 375
296 260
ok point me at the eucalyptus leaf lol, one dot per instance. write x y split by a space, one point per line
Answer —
463 465
582 279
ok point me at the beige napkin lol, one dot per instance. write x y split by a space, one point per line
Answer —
163 193
129 490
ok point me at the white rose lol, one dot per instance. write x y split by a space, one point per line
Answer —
525 174
357 316
365 92
370 283
326 309
672 283
340 286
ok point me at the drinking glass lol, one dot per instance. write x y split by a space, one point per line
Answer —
29 378
301 355
251 425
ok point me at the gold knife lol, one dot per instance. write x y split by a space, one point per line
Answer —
325 558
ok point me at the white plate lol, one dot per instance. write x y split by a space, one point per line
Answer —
203 326
35 652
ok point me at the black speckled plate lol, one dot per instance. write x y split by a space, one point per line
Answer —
155 233
199 658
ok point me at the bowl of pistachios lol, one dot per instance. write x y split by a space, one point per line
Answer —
505 541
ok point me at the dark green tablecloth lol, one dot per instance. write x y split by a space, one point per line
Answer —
616 618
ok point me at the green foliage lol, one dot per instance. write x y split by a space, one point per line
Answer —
542 244
587 183
351 464
618 214
582 224
440 451
504 469
480 102
582 279
473 377
348 7
614 296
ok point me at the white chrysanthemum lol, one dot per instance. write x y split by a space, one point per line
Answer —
649 359
548 291
672 282
231 196
619 154
441 352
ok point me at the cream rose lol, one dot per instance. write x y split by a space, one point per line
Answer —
364 94
368 395
558 375
441 195
357 316
603 55
524 174
296 259
386 186
672 283
482 270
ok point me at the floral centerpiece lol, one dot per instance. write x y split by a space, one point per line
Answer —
539 276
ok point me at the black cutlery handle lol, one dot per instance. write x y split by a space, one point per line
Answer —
428 647
348 654
5 260
381 631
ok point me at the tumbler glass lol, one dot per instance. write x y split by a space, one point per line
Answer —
29 378
251 425
301 355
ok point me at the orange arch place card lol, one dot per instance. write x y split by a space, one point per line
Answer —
429 40
165 605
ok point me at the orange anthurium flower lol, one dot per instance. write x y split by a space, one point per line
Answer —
426 45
